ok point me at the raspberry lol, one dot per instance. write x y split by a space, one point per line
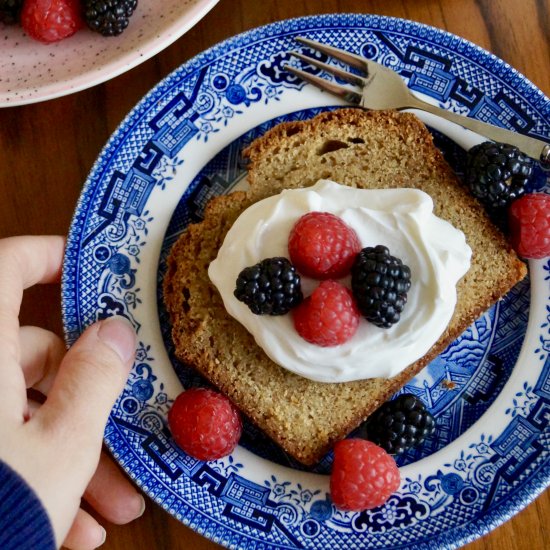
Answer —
322 246
328 317
205 424
51 20
530 225
363 475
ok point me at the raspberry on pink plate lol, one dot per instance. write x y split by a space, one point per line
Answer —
51 20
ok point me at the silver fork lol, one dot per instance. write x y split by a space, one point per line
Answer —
382 88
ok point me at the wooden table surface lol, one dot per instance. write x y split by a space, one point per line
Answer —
47 150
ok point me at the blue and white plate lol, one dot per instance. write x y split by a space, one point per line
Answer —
490 390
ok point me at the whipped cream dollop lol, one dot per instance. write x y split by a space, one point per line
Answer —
402 220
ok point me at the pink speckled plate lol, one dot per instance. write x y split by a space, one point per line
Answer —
32 72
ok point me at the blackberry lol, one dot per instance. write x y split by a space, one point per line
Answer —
400 424
10 10
380 283
108 17
497 174
271 287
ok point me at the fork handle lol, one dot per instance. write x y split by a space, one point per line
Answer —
535 148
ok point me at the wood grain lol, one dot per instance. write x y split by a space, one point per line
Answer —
47 150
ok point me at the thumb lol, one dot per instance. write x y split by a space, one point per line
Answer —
91 376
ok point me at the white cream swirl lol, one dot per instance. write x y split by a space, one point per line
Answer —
402 220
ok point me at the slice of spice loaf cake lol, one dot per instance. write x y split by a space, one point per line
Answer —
371 150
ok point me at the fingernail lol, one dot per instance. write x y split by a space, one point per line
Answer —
119 335
103 537
142 507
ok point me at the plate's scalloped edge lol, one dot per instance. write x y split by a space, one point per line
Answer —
495 518
490 61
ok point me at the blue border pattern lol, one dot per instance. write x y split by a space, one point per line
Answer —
446 499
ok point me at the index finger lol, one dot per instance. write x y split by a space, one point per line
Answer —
24 262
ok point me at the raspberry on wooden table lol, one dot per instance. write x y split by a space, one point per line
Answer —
323 246
51 20
205 424
328 317
529 219
363 475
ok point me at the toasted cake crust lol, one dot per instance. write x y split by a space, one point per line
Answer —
377 149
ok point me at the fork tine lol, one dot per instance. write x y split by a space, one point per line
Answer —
344 75
349 58
340 91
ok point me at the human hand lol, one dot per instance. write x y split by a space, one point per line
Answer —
56 446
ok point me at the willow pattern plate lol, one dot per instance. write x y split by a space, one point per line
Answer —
490 390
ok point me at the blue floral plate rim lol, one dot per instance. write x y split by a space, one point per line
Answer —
132 162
